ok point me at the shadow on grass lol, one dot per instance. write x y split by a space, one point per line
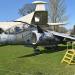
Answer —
3 45
59 48
28 55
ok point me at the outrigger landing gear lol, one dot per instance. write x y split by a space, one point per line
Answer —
36 50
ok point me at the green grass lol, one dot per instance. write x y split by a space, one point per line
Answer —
19 60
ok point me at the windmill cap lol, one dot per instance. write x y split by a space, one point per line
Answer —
39 2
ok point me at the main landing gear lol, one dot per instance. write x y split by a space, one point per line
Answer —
53 47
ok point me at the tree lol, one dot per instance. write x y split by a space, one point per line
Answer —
63 30
57 11
26 9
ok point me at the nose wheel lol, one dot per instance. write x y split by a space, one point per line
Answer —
36 50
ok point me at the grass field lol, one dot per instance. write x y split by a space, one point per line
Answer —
20 60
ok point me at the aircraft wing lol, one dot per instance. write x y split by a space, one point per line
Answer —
62 35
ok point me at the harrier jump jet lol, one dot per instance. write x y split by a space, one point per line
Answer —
33 36
30 32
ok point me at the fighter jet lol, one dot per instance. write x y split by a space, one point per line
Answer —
28 31
33 36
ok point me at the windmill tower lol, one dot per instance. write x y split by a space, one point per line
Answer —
41 15
40 5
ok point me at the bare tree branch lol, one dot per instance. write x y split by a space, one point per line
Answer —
26 9
57 10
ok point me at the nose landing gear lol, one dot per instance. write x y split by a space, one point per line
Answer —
36 50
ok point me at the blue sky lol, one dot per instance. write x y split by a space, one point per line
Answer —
9 10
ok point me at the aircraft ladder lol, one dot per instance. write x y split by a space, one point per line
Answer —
69 57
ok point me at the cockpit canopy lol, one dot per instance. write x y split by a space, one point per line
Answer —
19 28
